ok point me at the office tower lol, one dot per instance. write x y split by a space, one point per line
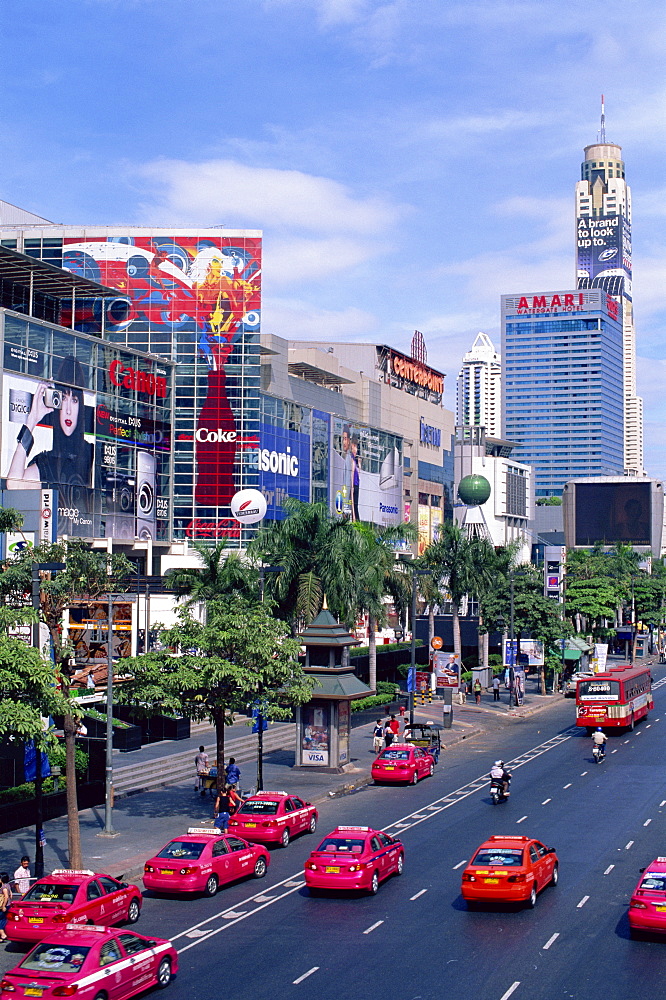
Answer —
603 260
479 387
563 384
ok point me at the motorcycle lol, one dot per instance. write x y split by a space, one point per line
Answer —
497 793
598 752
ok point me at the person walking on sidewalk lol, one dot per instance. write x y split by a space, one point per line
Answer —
232 772
5 900
477 691
22 876
496 688
378 737
201 765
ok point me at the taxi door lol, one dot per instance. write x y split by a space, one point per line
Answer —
242 856
95 910
299 814
381 856
222 861
421 762
546 863
114 902
113 973
393 854
139 969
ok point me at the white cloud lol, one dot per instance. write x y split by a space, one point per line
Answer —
296 319
293 260
216 191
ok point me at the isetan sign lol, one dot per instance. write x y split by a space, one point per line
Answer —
133 378
414 371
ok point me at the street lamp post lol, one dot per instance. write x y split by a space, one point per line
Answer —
51 567
260 715
412 667
108 830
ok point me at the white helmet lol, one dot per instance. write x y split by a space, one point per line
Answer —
498 763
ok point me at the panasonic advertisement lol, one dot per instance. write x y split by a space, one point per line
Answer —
283 460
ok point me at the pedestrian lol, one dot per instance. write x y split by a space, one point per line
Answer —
388 734
496 688
407 731
232 772
201 765
225 805
394 726
5 901
22 876
477 691
462 692
378 737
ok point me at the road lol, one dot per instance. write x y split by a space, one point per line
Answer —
416 940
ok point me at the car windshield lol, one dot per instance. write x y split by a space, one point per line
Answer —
654 881
394 755
341 845
184 850
501 857
260 807
55 958
51 892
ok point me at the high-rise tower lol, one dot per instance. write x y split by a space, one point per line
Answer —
603 260
479 389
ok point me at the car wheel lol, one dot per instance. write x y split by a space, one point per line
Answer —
101 996
211 885
401 864
285 838
415 778
260 867
313 824
556 876
164 973
531 902
374 884
133 912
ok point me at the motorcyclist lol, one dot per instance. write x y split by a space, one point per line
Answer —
599 740
499 774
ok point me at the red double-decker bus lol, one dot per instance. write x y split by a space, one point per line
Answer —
617 697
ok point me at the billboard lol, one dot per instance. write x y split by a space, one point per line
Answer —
613 512
205 293
366 473
283 460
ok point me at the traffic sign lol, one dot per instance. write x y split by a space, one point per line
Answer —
436 642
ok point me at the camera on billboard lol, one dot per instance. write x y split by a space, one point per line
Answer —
53 398
145 495
120 494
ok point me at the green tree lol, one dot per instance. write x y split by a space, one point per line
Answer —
318 555
241 653
221 572
594 600
88 576
450 562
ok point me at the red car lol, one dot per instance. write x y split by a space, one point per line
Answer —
647 909
72 897
402 762
91 962
509 869
203 860
354 857
274 818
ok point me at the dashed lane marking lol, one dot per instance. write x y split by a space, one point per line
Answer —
420 893
630 844
582 902
567 786
583 773
511 989
373 927
551 940
662 804
522 819
647 822
315 968
545 802
609 869
459 865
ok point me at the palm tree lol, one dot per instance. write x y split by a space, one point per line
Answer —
221 572
318 556
485 565
449 560
379 574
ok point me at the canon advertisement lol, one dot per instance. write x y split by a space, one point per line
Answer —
366 473
283 461
107 462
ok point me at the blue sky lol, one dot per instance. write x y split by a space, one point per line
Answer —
408 161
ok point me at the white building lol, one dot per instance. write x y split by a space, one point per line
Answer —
479 387
603 260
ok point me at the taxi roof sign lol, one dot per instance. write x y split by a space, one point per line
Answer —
267 791
72 871
512 836
86 927
207 830
364 828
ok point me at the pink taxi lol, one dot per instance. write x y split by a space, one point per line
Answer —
274 818
647 908
354 857
402 762
202 861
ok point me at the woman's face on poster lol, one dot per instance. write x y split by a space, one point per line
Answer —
69 412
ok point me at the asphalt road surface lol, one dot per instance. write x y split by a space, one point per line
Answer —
416 940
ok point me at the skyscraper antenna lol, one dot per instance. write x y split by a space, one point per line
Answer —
602 133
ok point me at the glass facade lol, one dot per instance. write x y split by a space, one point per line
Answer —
563 396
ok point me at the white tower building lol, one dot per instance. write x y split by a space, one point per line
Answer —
603 260
479 388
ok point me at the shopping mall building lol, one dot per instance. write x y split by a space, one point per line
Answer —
360 427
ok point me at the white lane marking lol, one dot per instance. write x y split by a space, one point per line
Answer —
614 751
315 968
609 869
567 786
263 899
662 804
583 773
231 915
511 989
373 927
522 819
198 933
551 940
290 882
582 902
647 822
545 802
639 733
626 741
459 865
648 725
420 893
630 844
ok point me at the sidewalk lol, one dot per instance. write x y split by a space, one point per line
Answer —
146 820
